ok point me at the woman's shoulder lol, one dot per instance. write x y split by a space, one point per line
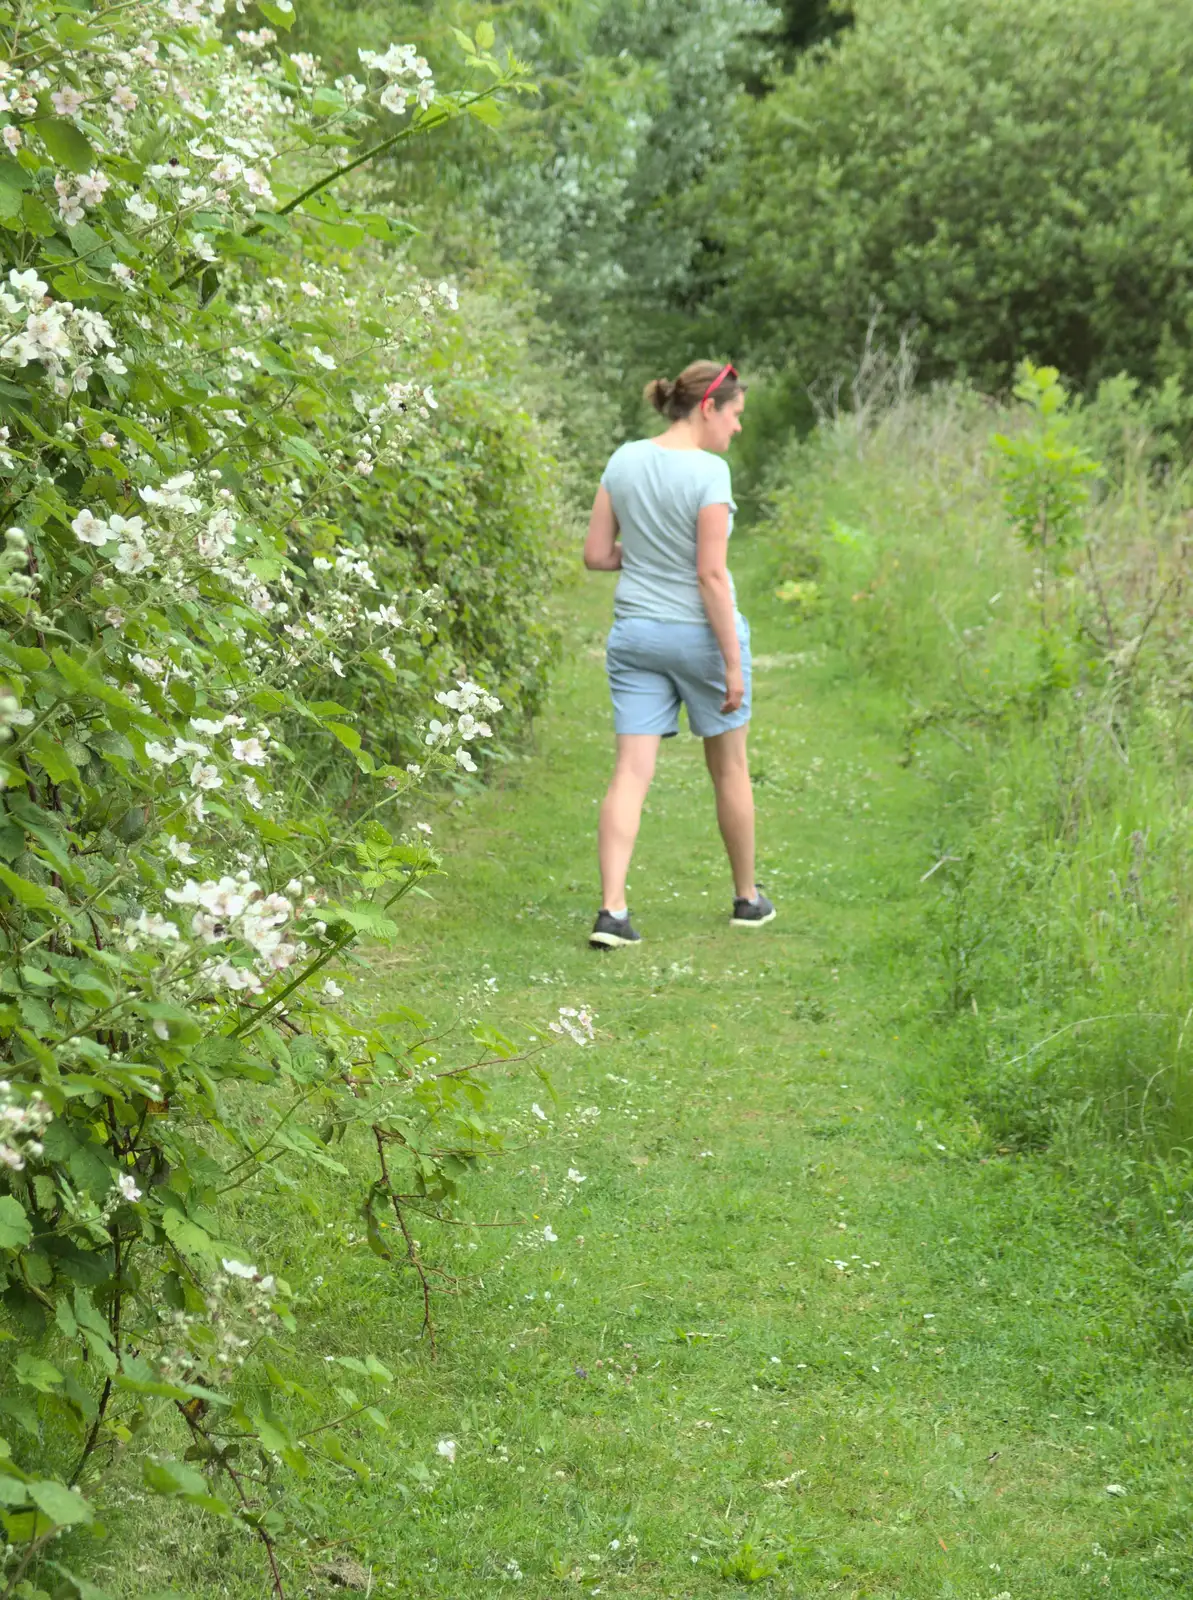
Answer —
624 454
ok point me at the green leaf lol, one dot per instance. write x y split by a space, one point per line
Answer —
348 737
15 1229
66 144
13 175
172 1478
486 111
28 894
34 1373
63 1506
282 16
486 36
83 1589
327 102
187 1237
12 1491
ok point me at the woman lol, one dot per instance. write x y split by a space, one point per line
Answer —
662 519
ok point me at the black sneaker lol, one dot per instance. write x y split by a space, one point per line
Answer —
609 932
752 913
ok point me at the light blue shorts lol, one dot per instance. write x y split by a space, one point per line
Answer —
655 666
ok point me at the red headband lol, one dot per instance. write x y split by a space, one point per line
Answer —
726 371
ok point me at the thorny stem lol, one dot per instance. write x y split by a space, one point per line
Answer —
32 1551
106 1395
412 1255
256 1527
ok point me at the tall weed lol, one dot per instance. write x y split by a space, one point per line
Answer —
1028 612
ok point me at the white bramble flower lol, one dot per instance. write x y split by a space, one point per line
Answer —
576 1177
206 776
67 102
576 1023
144 210
447 1449
250 751
127 1185
332 990
538 1111
239 1269
90 529
549 1235
132 558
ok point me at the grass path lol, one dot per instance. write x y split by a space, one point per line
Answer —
801 1326
809 1326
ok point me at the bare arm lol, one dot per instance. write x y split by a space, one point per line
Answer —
712 546
602 552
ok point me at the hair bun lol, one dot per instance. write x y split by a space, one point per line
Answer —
659 393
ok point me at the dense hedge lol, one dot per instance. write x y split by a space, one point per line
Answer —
271 501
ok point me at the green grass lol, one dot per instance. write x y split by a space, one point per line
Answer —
803 1325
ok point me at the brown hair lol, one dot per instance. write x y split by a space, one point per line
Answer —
678 398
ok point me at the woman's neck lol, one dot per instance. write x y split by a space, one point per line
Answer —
680 435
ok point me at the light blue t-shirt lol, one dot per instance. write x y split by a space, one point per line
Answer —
657 495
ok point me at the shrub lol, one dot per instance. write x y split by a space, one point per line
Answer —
238 560
1011 178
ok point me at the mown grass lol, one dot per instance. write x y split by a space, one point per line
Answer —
805 1326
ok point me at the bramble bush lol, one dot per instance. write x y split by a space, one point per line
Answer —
244 544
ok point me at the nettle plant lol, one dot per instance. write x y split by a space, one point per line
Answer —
192 382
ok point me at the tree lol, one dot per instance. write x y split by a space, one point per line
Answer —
1010 177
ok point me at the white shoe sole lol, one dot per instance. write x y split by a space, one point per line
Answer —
609 941
752 922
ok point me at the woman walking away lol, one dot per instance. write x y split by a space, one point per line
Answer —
662 519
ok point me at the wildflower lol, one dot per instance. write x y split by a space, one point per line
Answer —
238 1269
250 751
28 285
12 139
170 494
92 186
114 617
447 1449
132 558
127 1185
181 850
235 977
206 776
549 1234
332 990
144 210
68 102
538 1111
577 1024
322 359
90 529
464 760
576 1177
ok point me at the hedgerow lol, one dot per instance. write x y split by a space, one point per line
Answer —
248 549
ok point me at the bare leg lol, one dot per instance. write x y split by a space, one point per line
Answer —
729 769
621 813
